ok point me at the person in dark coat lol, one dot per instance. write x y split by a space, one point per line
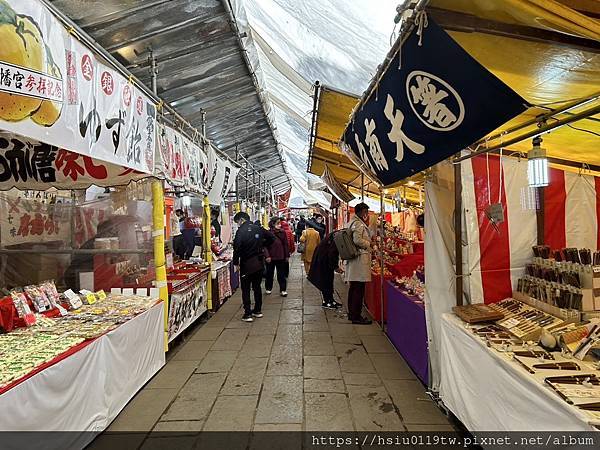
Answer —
324 263
278 255
300 227
248 253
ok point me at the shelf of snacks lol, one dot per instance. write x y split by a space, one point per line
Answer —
406 324
49 326
550 349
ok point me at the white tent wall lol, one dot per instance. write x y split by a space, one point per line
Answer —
293 43
440 275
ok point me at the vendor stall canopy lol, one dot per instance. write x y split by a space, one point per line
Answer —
547 51
200 66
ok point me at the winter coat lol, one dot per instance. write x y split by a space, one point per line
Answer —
359 268
290 236
300 227
278 250
248 246
311 240
325 261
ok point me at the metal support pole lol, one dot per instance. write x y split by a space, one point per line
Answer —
382 256
153 70
540 215
458 256
237 184
362 187
247 183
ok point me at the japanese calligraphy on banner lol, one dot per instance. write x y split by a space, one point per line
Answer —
222 175
53 89
434 103
24 221
29 164
179 159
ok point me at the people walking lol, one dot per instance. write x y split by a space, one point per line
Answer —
248 253
319 225
358 270
311 239
324 264
300 227
278 255
285 226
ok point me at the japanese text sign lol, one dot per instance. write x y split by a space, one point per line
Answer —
433 103
29 164
53 89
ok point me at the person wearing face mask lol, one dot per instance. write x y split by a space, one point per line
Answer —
319 225
358 270
279 255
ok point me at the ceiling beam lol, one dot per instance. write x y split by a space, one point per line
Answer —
467 23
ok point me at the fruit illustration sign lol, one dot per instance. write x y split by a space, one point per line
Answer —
53 89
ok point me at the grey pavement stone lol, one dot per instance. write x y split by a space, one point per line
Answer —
179 425
193 351
317 344
258 346
362 379
392 367
173 375
292 303
246 376
217 361
378 344
289 335
373 409
206 333
285 360
322 367
316 385
327 412
414 404
281 400
291 316
231 339
232 413
144 410
353 358
196 398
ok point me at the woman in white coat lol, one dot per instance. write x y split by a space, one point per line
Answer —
358 270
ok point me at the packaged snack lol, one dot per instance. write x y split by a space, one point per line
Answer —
38 297
73 299
20 302
49 288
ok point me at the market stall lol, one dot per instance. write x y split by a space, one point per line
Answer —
78 224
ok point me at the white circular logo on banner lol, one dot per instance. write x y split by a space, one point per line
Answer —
434 101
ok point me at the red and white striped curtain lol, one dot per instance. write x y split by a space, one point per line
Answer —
495 257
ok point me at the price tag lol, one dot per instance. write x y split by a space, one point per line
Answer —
101 294
90 298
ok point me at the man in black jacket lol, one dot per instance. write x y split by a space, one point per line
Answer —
248 253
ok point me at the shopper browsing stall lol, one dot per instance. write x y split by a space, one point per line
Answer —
358 270
248 245
278 257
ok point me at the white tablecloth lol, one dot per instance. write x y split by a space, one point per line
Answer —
489 392
87 390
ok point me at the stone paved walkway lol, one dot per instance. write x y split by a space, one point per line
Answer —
300 368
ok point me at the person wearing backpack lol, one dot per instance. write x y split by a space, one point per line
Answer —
358 269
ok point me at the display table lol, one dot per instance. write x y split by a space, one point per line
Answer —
407 329
373 298
488 391
221 285
86 391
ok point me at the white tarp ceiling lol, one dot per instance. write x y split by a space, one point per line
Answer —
293 43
